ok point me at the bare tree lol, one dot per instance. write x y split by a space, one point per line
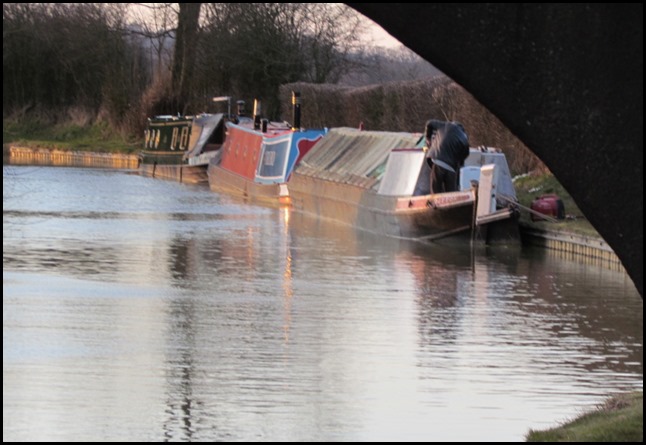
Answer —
174 57
61 55
155 22
250 49
331 34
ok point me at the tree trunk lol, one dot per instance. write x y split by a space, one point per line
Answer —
184 59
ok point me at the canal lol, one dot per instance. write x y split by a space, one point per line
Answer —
144 310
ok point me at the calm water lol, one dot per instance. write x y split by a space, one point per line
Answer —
138 309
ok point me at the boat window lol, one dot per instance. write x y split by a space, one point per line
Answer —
173 142
184 141
274 158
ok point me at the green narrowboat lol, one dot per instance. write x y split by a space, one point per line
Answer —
166 139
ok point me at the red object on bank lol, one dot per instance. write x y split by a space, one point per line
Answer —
550 205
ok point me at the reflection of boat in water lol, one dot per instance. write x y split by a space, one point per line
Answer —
372 180
180 148
259 156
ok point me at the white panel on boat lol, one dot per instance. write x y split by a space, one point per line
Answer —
402 172
487 191
205 158
504 184
468 174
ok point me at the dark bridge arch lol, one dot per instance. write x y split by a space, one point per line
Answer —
566 79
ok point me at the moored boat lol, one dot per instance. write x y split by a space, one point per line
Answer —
180 149
166 139
378 181
258 157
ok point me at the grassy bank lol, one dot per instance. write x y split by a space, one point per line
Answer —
620 419
98 137
530 187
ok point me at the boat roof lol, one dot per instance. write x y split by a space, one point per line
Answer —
353 156
203 127
273 128
169 118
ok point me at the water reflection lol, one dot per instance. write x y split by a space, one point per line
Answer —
528 324
180 398
288 290
189 261
167 312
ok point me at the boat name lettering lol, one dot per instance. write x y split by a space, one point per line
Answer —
440 201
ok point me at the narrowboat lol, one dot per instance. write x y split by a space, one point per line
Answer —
166 139
258 156
180 148
378 181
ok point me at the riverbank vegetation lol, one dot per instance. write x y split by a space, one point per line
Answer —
121 63
406 106
532 185
110 66
620 419
68 136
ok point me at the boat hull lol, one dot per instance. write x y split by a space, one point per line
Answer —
189 174
225 181
424 217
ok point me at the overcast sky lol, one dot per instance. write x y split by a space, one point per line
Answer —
381 37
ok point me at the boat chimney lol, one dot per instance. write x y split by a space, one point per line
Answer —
265 124
296 109
241 107
226 99
256 114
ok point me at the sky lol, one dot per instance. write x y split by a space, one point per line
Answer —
374 31
381 37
